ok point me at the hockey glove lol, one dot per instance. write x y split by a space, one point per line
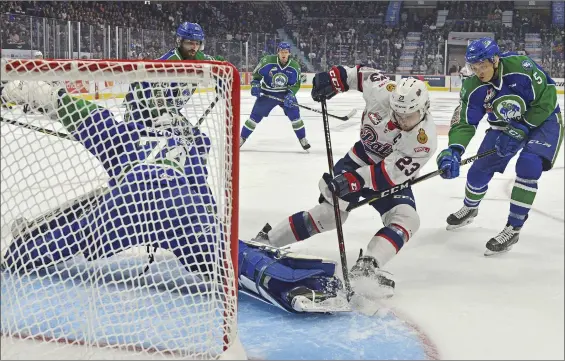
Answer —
256 88
344 183
290 100
512 139
448 162
327 84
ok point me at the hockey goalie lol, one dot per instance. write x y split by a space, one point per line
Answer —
164 170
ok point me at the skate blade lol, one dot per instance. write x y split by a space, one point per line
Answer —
455 226
489 253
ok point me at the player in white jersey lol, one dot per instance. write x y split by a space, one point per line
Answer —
397 138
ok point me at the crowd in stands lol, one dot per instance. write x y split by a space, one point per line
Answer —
325 33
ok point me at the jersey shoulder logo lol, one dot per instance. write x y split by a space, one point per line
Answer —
374 117
527 65
390 87
422 137
490 95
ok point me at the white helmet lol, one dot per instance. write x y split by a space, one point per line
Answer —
37 54
410 96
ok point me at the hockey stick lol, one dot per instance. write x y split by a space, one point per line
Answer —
207 111
337 211
38 129
408 183
344 118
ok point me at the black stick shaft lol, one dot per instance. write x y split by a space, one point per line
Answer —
38 129
312 109
335 199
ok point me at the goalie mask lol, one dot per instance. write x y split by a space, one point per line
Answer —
409 102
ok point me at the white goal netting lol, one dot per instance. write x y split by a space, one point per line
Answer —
119 209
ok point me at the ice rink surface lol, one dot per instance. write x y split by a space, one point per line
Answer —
466 305
472 307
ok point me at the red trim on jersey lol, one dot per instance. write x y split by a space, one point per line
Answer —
386 174
313 223
403 230
293 228
391 242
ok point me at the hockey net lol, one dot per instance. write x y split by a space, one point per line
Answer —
64 295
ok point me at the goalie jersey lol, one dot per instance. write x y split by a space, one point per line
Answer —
399 155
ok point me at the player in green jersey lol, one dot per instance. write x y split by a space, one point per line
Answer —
520 101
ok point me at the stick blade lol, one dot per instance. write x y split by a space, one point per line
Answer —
349 115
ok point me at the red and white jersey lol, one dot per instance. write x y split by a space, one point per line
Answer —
399 154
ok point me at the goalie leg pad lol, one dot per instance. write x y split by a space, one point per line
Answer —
276 275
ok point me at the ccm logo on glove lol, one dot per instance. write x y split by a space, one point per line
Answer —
336 81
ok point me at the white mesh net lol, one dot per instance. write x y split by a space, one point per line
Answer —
118 205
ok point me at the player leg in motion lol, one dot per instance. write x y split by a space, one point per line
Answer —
520 101
276 76
397 139
156 197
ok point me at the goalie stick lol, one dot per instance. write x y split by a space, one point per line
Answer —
38 129
344 118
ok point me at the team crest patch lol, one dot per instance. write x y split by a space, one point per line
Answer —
390 87
490 95
279 80
422 137
375 118
527 65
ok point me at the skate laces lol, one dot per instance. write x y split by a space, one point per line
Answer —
462 212
505 235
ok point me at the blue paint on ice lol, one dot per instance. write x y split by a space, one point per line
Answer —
272 334
55 306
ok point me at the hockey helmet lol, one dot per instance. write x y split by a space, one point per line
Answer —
481 49
409 102
283 46
190 31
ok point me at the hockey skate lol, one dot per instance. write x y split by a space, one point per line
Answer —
504 241
304 143
366 274
461 218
